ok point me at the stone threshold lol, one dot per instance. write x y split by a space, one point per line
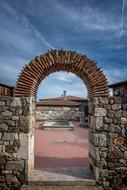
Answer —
70 175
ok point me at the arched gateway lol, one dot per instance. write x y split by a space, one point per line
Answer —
60 60
107 121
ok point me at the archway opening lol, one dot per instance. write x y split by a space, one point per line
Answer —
61 130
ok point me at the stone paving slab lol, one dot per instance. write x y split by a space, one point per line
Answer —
63 174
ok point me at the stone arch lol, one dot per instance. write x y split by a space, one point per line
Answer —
60 60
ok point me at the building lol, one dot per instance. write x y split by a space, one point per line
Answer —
6 90
120 89
63 107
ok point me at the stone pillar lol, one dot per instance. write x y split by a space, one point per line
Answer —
26 125
107 142
16 140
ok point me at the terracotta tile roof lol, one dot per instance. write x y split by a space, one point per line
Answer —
61 101
58 103
119 84
70 98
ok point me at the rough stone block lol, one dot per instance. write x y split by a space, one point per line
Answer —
26 110
3 127
98 123
18 111
114 129
12 179
10 136
26 123
16 102
104 173
10 123
117 99
92 121
111 113
14 165
119 141
118 114
7 114
123 120
2 148
11 149
100 112
2 160
94 151
107 120
111 100
116 107
99 139
125 154
102 101
124 113
96 172
15 118
2 179
7 172
2 103
23 150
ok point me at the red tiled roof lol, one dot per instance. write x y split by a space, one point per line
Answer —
57 103
62 101
70 98
119 84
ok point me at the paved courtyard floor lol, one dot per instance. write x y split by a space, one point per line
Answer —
57 149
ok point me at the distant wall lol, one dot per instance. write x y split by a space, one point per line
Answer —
58 112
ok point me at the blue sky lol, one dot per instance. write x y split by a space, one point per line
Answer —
92 27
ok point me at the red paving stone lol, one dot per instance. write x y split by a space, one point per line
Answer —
55 148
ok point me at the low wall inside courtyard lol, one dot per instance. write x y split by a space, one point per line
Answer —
58 112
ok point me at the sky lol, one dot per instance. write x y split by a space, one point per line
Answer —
97 28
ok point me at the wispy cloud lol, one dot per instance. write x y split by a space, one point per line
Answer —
91 28
76 87
36 32
19 31
115 74
10 68
89 18
121 25
63 76
9 8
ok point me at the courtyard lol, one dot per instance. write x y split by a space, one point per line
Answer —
61 148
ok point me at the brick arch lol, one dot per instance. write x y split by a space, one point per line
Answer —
60 60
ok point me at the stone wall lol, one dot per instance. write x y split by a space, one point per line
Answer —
108 142
16 141
58 112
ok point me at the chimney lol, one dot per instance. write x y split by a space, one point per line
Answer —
64 94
